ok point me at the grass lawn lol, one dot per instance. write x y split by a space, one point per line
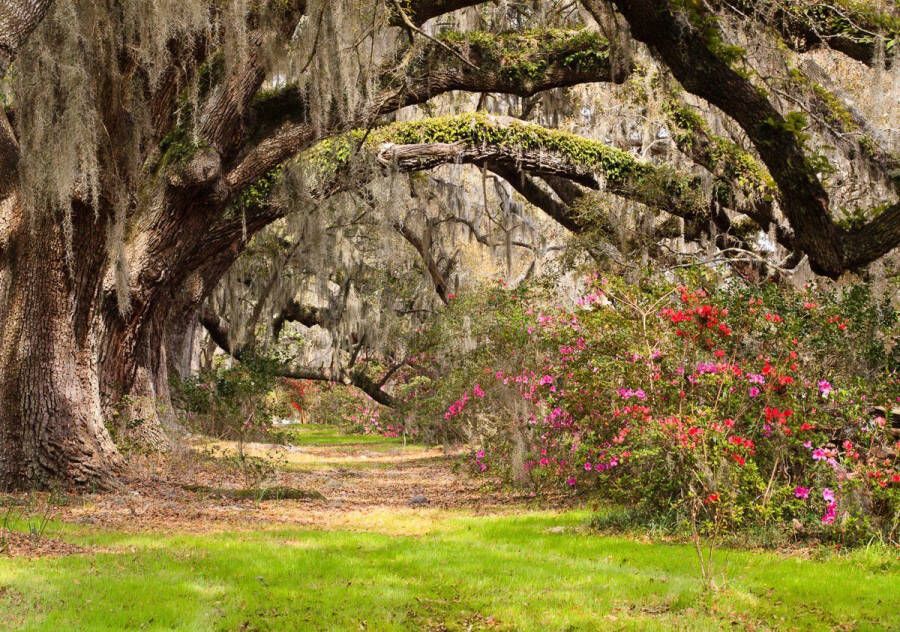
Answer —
328 435
428 569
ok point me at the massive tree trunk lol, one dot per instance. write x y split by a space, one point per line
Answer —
51 422
135 377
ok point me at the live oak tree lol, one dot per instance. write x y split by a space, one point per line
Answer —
144 144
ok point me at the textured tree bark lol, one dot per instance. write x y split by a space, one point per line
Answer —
134 386
18 18
51 422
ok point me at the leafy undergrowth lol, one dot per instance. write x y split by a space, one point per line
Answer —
532 571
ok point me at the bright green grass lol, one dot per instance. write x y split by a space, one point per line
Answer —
328 435
457 572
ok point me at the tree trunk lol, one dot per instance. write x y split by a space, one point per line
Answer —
134 384
51 423
133 356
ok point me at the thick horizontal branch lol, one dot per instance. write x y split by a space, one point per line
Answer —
420 11
522 64
218 332
356 378
881 234
497 143
853 28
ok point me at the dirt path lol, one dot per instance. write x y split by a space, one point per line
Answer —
353 485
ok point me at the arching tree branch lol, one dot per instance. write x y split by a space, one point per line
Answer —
690 43
218 332
516 64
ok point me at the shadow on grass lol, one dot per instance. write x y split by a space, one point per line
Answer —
536 571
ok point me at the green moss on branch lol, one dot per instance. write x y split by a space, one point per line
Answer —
582 159
720 155
528 54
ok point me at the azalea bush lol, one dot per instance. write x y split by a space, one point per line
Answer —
735 408
352 410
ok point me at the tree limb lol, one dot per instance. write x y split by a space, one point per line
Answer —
691 45
218 332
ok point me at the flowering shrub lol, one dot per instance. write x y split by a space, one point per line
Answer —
352 410
738 408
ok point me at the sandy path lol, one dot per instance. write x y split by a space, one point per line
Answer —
380 487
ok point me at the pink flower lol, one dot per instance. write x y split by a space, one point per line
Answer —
828 495
547 379
587 466
628 393
824 388
571 481
801 492
754 392
479 454
830 513
478 391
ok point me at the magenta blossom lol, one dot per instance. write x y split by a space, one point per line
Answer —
801 492
830 513
628 393
754 391
478 391
828 495
825 388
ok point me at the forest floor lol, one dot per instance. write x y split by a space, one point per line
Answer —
361 532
